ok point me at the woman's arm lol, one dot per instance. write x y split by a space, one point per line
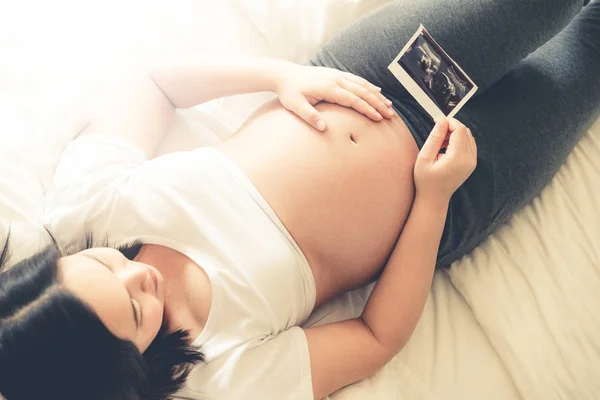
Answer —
189 85
299 87
345 352
142 109
352 350
137 112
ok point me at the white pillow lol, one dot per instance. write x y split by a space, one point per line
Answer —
32 139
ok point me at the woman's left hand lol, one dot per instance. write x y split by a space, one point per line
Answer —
301 87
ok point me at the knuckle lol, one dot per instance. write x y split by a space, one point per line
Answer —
346 97
372 98
363 91
354 79
357 102
361 81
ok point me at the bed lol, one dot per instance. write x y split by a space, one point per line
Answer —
516 319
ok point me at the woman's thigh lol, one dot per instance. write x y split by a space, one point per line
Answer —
486 38
526 125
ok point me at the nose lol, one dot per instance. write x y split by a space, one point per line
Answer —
134 276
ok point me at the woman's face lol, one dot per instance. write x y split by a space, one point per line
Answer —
128 296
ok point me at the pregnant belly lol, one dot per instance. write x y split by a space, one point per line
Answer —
343 194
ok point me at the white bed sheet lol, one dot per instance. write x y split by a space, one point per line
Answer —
515 319
534 285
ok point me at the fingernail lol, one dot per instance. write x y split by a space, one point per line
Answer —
321 125
390 112
378 115
378 88
389 103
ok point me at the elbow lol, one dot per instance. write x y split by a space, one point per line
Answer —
156 77
380 357
392 348
388 353
388 347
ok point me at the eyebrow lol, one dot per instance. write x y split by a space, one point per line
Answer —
135 314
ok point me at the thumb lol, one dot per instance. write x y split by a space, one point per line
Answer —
301 107
434 142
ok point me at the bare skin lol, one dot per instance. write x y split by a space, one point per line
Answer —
351 187
360 200
343 194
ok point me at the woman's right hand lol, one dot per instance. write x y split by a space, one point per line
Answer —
438 175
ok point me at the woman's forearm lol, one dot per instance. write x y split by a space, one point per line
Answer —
190 85
396 303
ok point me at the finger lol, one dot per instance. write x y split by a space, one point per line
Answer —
455 124
462 143
347 98
385 100
369 86
433 144
363 82
468 141
474 142
471 139
308 113
472 148
371 98
459 142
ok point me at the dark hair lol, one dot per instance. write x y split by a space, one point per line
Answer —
52 345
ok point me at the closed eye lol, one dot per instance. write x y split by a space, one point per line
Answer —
137 315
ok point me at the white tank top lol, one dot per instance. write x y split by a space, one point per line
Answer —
200 204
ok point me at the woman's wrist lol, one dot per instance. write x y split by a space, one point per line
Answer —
275 73
435 202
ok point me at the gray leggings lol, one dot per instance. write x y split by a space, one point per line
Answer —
537 65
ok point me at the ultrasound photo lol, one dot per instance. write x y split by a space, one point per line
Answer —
437 81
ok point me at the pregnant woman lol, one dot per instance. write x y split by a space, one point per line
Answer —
226 250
